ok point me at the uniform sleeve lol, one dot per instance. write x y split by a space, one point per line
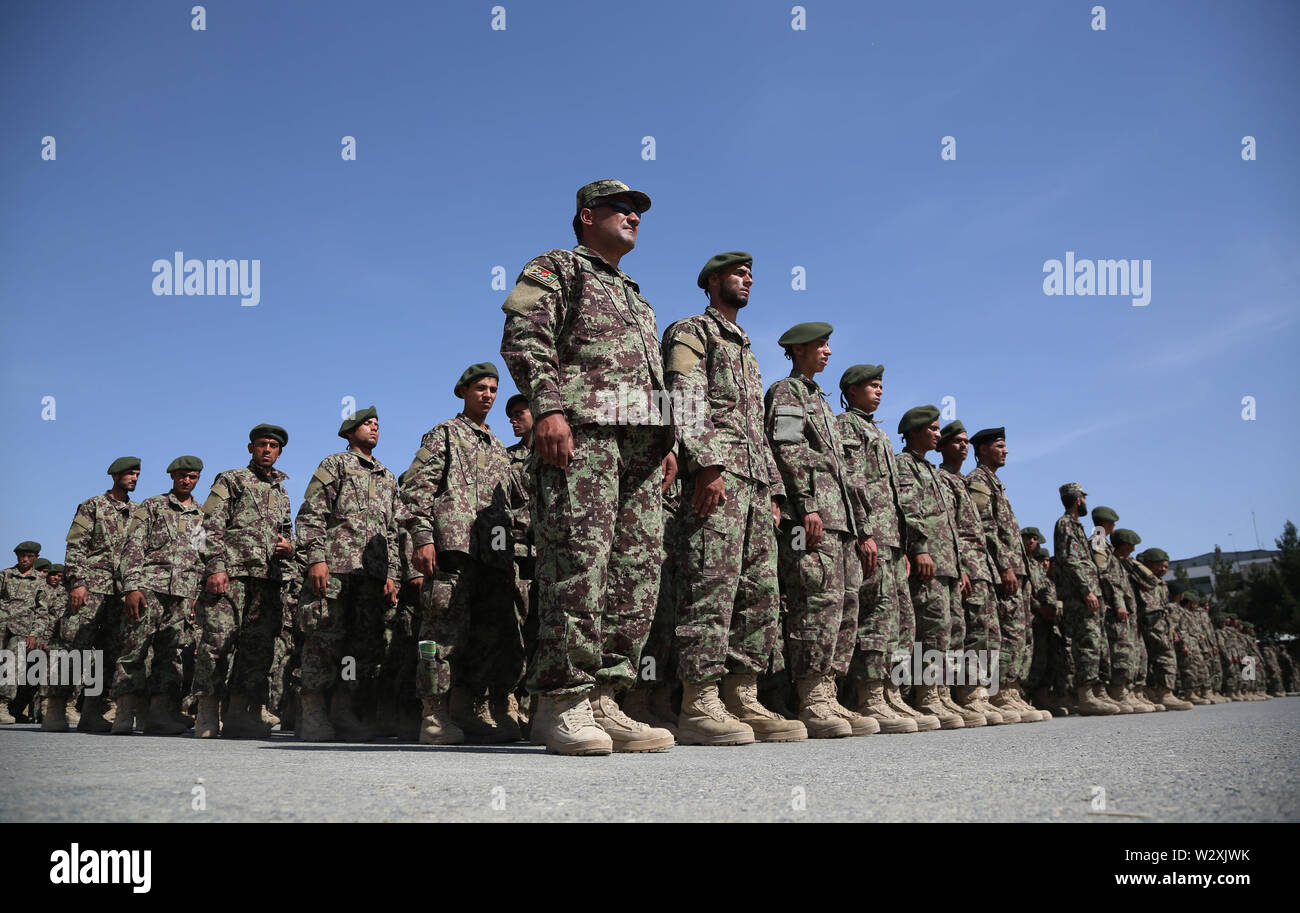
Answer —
534 313
217 511
132 563
1074 558
396 515
910 496
79 533
784 422
424 480
314 513
982 497
686 370
855 459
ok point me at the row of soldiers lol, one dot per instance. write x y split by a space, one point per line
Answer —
669 554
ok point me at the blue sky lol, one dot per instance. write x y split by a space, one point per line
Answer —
817 148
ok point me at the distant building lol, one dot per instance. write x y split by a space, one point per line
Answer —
1198 568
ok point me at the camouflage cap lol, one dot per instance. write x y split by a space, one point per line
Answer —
950 431
1125 537
1104 515
356 418
988 436
474 372
608 187
42 563
1153 555
1072 489
27 545
123 464
56 569
722 261
274 432
1031 531
859 374
185 464
1042 553
802 333
918 417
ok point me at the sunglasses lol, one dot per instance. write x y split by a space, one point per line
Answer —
623 208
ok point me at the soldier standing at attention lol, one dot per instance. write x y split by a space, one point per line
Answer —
24 608
1146 574
820 551
521 518
582 344
347 536
249 538
160 570
1119 620
731 489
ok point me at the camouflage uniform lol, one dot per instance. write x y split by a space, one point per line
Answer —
727 617
821 583
1154 623
520 455
1049 664
1116 592
1076 577
978 629
246 512
659 656
24 612
160 559
94 548
886 624
457 498
348 519
580 340
929 528
1006 551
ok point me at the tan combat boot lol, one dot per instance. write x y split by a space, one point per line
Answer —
640 704
872 702
894 698
1024 706
73 717
266 715
968 697
705 721
815 709
437 726
313 723
566 726
1099 692
661 705
474 717
927 700
208 722
241 723
626 733
161 720
1120 695
861 725
740 696
92 716
985 702
1165 698
505 721
1004 702
969 715
1196 698
1148 695
53 715
127 707
348 727
1090 706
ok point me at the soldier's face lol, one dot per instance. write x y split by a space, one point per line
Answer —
867 395
995 454
54 579
1124 549
1108 526
479 396
812 357
1081 507
733 285
367 433
521 420
26 560
183 481
1160 568
609 229
1031 542
265 451
930 435
126 480
955 448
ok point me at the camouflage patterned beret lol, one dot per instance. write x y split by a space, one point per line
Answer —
1072 489
1041 553
274 432
42 563
1104 515
27 546
123 464
950 431
917 417
722 261
474 372
1125 537
988 436
802 333
608 187
1152 555
185 464
859 374
56 569
1031 531
355 419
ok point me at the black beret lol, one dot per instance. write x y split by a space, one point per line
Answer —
185 464
42 563
917 417
1125 537
722 261
123 464
988 436
950 431
275 432
802 333
1104 515
27 546
356 418
473 372
860 374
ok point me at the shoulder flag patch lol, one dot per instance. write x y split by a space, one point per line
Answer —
542 275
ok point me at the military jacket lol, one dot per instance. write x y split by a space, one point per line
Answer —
95 542
873 474
809 455
246 512
457 493
928 524
1152 597
348 517
1043 592
24 603
580 339
521 499
162 547
718 393
1076 572
1002 540
1116 591
970 528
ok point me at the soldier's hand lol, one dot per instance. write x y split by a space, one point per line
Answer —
710 490
924 567
390 590
218 582
966 588
31 644
414 584
1091 602
77 598
425 560
870 554
318 577
283 547
812 528
907 567
776 513
670 472
1121 613
134 601
554 439
1009 585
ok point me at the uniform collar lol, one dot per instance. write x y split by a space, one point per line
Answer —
597 260
271 475
869 416
483 431
726 325
176 502
812 385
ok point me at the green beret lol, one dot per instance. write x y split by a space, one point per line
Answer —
27 546
608 187
123 464
1041 552
1073 489
950 431
1032 531
473 372
801 333
859 374
722 261
56 569
185 464
1125 537
988 436
917 417
42 563
1191 596
275 432
356 418
1152 555
1175 588
1104 515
